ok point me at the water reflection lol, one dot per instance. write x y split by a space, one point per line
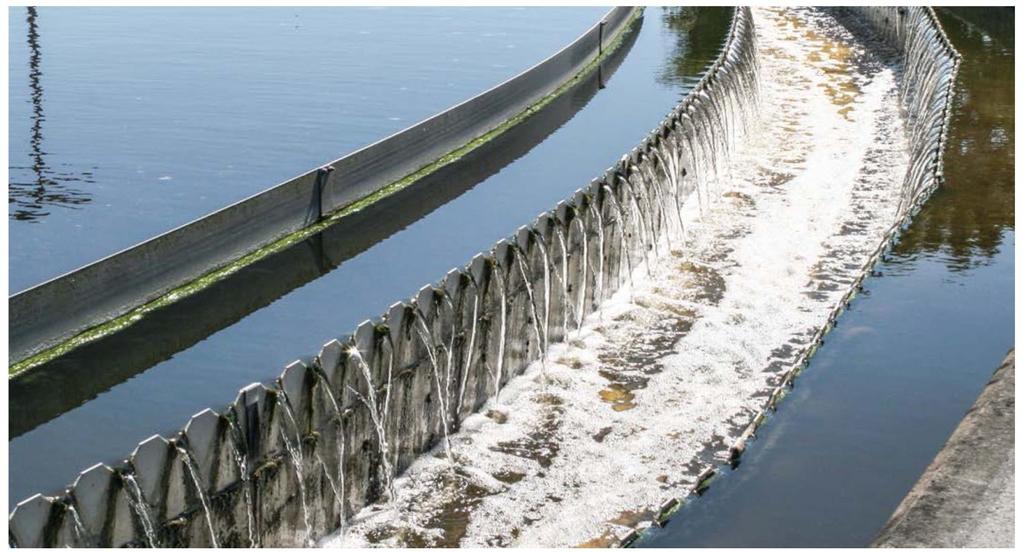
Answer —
34 188
964 223
699 33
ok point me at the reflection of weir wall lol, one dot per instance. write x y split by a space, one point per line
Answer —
288 461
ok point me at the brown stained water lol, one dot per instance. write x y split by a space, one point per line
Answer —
842 90
541 444
966 222
907 360
446 526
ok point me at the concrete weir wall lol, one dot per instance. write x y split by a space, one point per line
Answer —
50 313
289 461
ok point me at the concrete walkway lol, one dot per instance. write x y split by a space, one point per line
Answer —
965 497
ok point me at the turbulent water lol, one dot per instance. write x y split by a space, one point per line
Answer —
660 381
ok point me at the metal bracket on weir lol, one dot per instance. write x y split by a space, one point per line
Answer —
323 176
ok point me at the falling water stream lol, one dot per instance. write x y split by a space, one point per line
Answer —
81 535
598 294
645 230
376 415
449 354
423 331
238 453
141 509
566 305
580 309
503 332
534 319
297 459
200 488
623 244
333 483
471 348
546 258
338 483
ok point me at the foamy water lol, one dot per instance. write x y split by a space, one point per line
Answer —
663 378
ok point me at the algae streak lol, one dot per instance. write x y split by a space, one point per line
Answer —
135 315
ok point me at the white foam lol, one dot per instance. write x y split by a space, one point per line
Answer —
804 206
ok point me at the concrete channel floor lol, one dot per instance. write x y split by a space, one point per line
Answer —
966 496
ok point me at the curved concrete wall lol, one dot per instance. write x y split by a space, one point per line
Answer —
291 460
52 312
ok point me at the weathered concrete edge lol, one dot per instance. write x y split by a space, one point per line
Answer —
944 503
26 359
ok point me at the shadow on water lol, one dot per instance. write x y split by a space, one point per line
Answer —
32 197
907 360
93 368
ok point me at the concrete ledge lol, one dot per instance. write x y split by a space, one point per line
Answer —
965 497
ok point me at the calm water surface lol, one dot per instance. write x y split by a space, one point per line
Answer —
125 123
666 55
904 364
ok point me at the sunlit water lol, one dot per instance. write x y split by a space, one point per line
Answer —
666 57
662 379
125 123
896 376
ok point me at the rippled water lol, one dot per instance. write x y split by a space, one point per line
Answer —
895 377
125 123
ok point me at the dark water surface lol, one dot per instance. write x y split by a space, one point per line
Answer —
198 354
125 123
907 360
